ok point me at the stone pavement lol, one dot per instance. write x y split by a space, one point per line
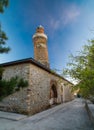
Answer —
68 116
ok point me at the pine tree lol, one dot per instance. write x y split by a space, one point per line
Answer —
3 4
3 37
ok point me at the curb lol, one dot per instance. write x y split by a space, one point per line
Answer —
12 116
90 110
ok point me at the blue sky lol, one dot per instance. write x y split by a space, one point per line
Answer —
68 25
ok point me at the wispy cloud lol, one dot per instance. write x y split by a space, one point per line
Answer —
66 16
54 23
70 15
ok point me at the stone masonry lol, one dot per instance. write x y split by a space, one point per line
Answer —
40 46
36 97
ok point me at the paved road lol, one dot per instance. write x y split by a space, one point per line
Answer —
68 116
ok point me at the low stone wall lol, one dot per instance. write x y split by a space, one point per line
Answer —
23 102
15 102
90 109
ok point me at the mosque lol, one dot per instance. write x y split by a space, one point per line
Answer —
45 86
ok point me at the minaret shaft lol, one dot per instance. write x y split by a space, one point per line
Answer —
40 46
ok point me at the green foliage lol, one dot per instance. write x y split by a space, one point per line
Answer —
11 86
1 72
22 83
3 37
3 4
53 71
81 68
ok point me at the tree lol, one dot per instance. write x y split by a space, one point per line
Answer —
3 37
81 68
3 4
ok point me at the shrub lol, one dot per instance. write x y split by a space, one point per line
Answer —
11 86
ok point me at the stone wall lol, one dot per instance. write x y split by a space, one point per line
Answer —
21 70
66 94
16 102
40 82
38 96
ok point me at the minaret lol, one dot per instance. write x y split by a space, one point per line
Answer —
40 46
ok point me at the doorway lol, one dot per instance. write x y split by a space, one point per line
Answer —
53 95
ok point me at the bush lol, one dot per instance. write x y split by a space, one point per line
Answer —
11 86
